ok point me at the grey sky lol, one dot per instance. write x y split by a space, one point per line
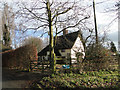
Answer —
104 19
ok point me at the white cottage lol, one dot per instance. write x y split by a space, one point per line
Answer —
67 45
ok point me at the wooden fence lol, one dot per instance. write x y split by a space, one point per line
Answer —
43 64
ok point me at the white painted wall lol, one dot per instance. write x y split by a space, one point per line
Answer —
77 47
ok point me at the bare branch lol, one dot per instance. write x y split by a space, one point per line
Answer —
59 6
35 28
66 20
35 14
43 33
63 12
88 36
73 25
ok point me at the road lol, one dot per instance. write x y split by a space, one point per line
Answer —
18 79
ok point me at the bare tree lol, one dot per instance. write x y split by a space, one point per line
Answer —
115 8
47 15
35 41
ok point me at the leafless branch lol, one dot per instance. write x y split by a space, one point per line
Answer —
35 14
63 12
71 26
35 28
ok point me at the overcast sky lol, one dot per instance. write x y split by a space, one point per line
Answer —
103 18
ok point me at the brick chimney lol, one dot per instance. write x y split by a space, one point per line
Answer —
65 32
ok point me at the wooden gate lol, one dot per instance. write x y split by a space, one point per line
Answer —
34 65
43 65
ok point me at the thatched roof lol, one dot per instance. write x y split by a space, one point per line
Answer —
63 42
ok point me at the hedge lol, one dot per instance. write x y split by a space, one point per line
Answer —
20 57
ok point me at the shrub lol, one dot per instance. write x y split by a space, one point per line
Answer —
97 57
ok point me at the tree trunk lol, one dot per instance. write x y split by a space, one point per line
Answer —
52 56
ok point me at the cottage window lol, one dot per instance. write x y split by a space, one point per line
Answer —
68 55
48 53
63 50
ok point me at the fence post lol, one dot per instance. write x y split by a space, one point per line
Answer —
42 66
70 62
30 66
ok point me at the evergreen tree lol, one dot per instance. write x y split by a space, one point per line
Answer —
112 48
6 36
7 25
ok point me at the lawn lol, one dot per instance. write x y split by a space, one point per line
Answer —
86 79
